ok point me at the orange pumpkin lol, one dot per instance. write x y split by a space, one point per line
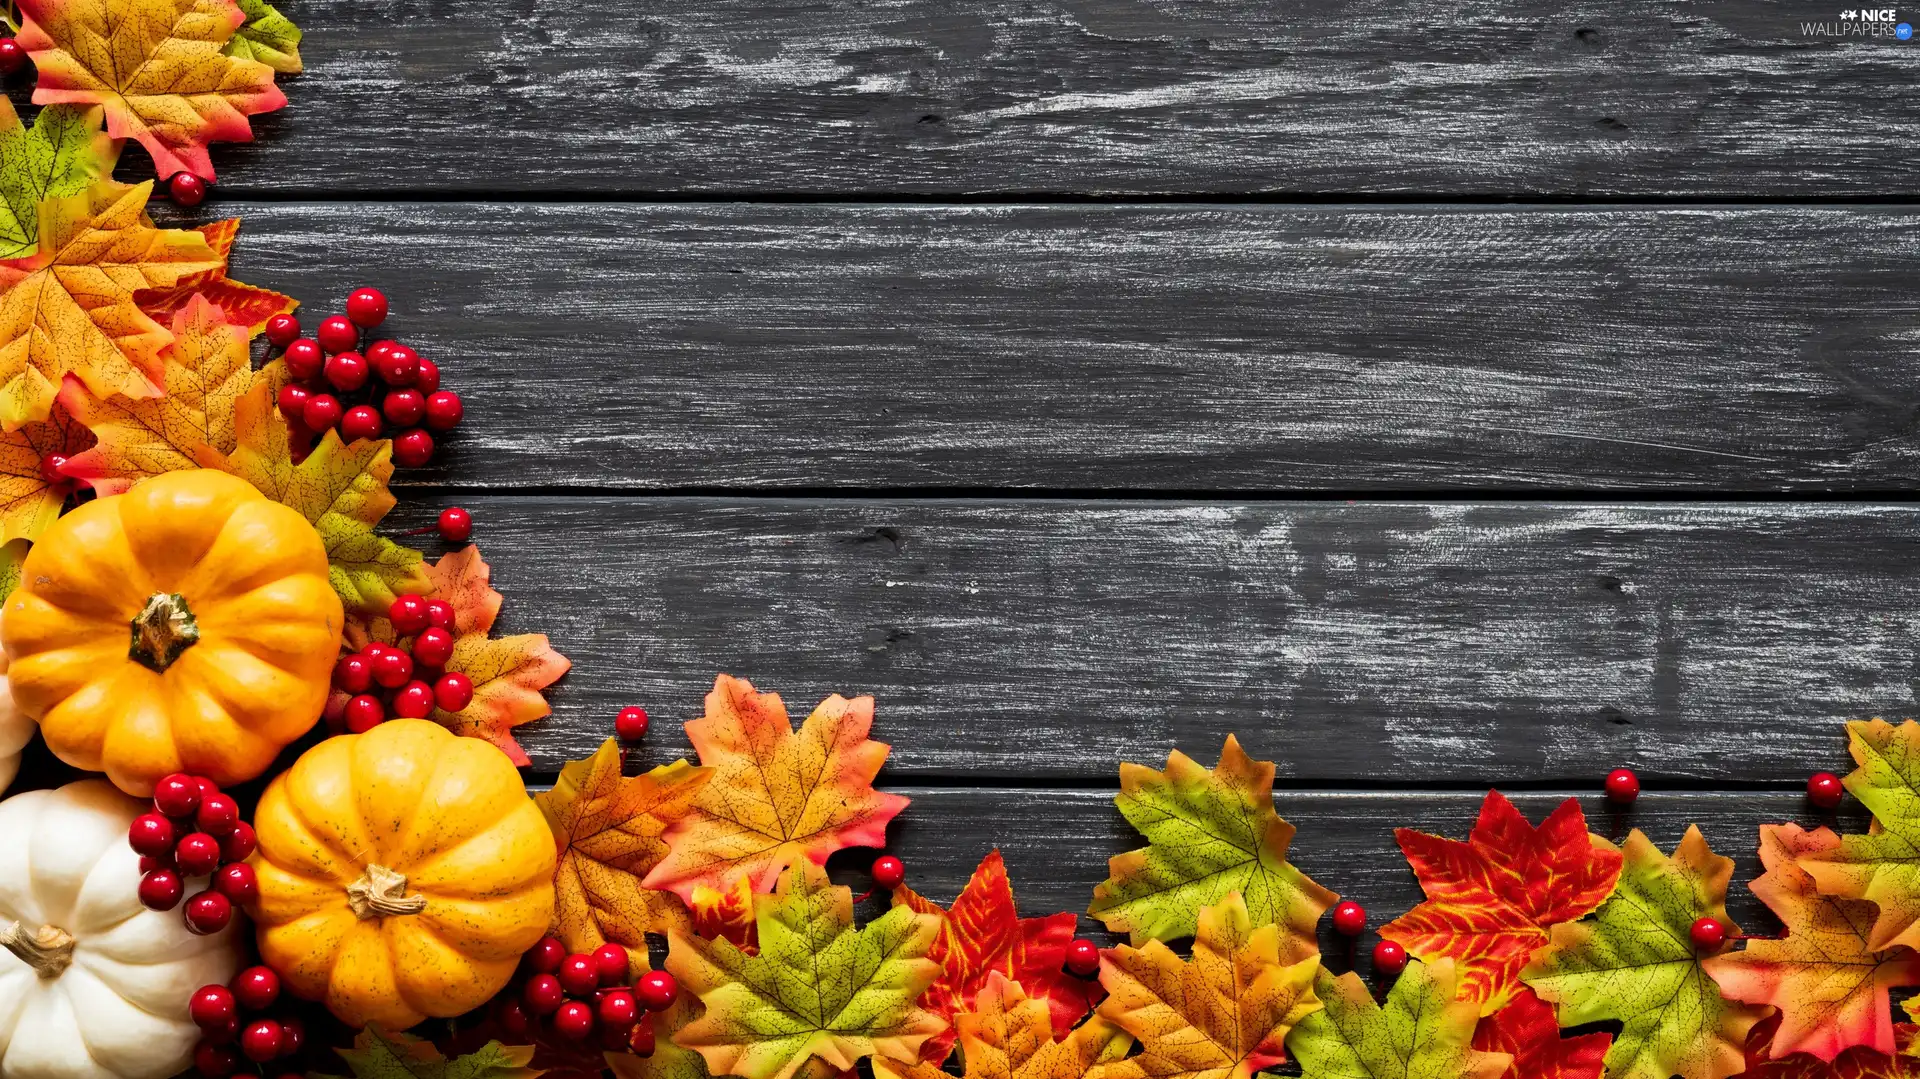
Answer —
403 872
184 626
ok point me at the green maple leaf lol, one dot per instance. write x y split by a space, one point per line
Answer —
1425 1030
1885 865
266 36
340 489
1210 832
1634 961
64 151
378 1055
818 988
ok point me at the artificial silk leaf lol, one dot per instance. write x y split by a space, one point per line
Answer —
982 936
379 1055
243 304
818 988
1222 1014
70 309
207 370
1832 989
777 798
1635 962
1424 1031
1856 1063
1209 833
61 155
156 67
726 911
28 503
1526 1031
1005 1035
266 36
12 553
668 1060
340 489
608 828
1490 899
1884 866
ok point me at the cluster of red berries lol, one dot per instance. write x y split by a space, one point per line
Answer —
579 995
391 682
261 1038
391 383
194 831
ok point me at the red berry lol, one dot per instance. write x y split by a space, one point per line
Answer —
208 912
293 1035
573 1020
257 988
282 330
428 380
367 307
207 786
404 408
1083 958
217 815
514 1018
337 333
1349 919
612 962
13 58
402 366
412 448
321 412
440 613
1823 789
304 359
177 795
393 668
414 701
543 994
364 713
293 400
408 613
149 863
186 189
618 1009
579 975
1389 958
53 469
631 724
1707 934
546 956
161 890
361 421
216 1061
433 647
346 371
353 673
453 692
613 1039
888 871
238 846
1622 786
152 834
197 854
657 990
456 524
238 883
212 1007
640 1041
260 1041
444 411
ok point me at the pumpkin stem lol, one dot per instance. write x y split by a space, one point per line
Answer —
162 630
48 950
382 893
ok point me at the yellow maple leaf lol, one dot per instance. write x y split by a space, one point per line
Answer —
70 308
28 503
1009 1036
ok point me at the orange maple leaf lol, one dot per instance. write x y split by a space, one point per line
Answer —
1005 1035
1856 1063
156 67
777 797
28 503
243 305
69 308
726 912
1527 1031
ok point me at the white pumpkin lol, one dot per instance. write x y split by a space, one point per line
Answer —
16 730
92 984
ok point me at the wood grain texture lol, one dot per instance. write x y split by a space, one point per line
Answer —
1144 347
1355 644
1676 97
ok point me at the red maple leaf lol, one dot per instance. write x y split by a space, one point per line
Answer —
1859 1062
1527 1030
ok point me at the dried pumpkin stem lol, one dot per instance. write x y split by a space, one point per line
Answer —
48 950
382 893
162 630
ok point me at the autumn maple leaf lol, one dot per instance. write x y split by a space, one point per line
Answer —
982 937
156 67
61 155
777 797
1424 1031
726 911
1006 1035
266 36
377 1054
1210 832
818 988
70 308
609 829
28 502
244 305
1635 962
1883 866
1526 1031
668 1060
1491 899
